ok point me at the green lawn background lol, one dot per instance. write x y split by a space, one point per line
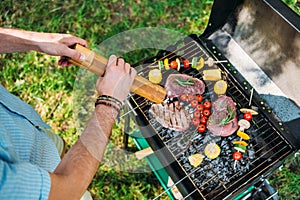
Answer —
36 78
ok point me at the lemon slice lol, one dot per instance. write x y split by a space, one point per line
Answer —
196 159
220 87
212 150
155 76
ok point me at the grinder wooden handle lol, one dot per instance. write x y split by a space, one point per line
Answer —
96 64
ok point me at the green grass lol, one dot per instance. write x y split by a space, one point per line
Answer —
50 89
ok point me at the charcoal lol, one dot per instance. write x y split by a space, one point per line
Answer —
216 170
187 166
224 144
211 174
192 149
197 182
242 162
251 154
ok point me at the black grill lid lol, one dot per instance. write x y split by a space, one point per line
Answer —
262 40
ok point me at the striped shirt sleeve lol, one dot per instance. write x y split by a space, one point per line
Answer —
23 181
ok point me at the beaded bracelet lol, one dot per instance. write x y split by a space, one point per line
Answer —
109 98
108 104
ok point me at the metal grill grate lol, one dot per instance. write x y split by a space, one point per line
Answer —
218 178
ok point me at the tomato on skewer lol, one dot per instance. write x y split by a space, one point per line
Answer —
199 97
206 112
195 121
237 155
199 107
173 64
183 97
203 120
247 116
201 128
194 103
190 97
186 63
207 105
197 114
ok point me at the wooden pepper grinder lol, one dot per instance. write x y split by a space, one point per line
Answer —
96 64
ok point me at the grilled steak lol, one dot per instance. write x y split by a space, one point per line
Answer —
171 116
178 84
223 120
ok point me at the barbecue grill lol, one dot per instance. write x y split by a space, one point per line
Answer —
256 45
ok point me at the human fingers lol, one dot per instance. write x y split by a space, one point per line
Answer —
72 53
75 55
63 61
70 40
112 61
127 68
120 62
65 48
132 73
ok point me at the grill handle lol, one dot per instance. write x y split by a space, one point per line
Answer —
96 64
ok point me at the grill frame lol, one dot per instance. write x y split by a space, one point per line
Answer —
166 156
290 140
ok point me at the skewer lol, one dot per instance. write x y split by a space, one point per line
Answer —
251 95
210 61
131 109
235 161
250 101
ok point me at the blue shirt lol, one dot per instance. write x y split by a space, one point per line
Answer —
27 154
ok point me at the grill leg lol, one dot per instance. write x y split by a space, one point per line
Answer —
126 128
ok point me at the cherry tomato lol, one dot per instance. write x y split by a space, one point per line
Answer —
237 155
183 97
199 97
174 64
199 107
191 97
206 112
248 116
197 114
201 128
207 105
186 63
195 121
194 103
203 120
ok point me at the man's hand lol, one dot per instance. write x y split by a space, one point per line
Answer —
55 44
117 80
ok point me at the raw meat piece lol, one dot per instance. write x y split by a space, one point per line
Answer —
223 103
223 120
171 116
175 89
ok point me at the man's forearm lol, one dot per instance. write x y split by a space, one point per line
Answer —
14 40
77 168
